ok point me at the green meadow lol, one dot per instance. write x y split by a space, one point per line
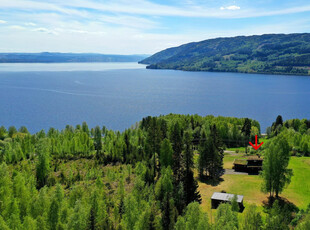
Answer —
298 191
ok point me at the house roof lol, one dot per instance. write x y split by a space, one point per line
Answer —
226 197
240 162
255 158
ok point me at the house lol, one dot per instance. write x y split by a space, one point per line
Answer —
252 164
240 165
220 197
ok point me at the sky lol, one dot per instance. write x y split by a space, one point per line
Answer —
140 26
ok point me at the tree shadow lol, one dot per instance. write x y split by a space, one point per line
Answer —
210 181
283 202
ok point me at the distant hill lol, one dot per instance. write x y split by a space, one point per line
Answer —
47 57
269 53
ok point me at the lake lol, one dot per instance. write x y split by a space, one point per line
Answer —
118 95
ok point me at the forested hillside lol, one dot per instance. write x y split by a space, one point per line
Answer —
143 178
269 53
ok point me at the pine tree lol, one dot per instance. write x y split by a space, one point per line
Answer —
12 130
189 182
98 141
202 159
277 125
6 187
166 152
177 145
14 215
22 194
131 214
85 128
43 163
215 155
153 141
54 212
246 130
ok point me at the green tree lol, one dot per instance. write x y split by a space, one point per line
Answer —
3 225
3 132
203 149
177 146
215 155
275 173
277 218
85 128
131 214
246 130
78 220
277 125
189 182
166 152
43 162
12 130
21 194
252 219
225 218
5 187
153 142
234 204
98 140
29 223
304 225
54 211
23 129
194 218
14 215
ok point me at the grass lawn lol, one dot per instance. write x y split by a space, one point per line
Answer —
241 149
249 186
299 189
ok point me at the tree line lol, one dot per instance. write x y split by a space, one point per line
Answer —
141 178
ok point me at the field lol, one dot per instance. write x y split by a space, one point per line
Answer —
250 185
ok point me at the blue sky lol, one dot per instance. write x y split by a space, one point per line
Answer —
140 26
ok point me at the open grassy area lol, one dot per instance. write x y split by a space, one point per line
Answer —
299 189
249 186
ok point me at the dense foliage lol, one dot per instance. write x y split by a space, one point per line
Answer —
142 178
269 53
295 131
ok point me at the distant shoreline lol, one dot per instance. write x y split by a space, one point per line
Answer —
47 57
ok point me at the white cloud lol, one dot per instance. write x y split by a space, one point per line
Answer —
124 26
129 21
233 7
80 9
30 24
2 22
17 27
45 30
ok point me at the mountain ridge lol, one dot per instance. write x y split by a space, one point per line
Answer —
268 53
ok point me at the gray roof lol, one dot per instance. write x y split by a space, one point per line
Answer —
226 197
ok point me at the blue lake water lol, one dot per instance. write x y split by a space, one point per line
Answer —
118 95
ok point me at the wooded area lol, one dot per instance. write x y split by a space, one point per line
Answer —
143 178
